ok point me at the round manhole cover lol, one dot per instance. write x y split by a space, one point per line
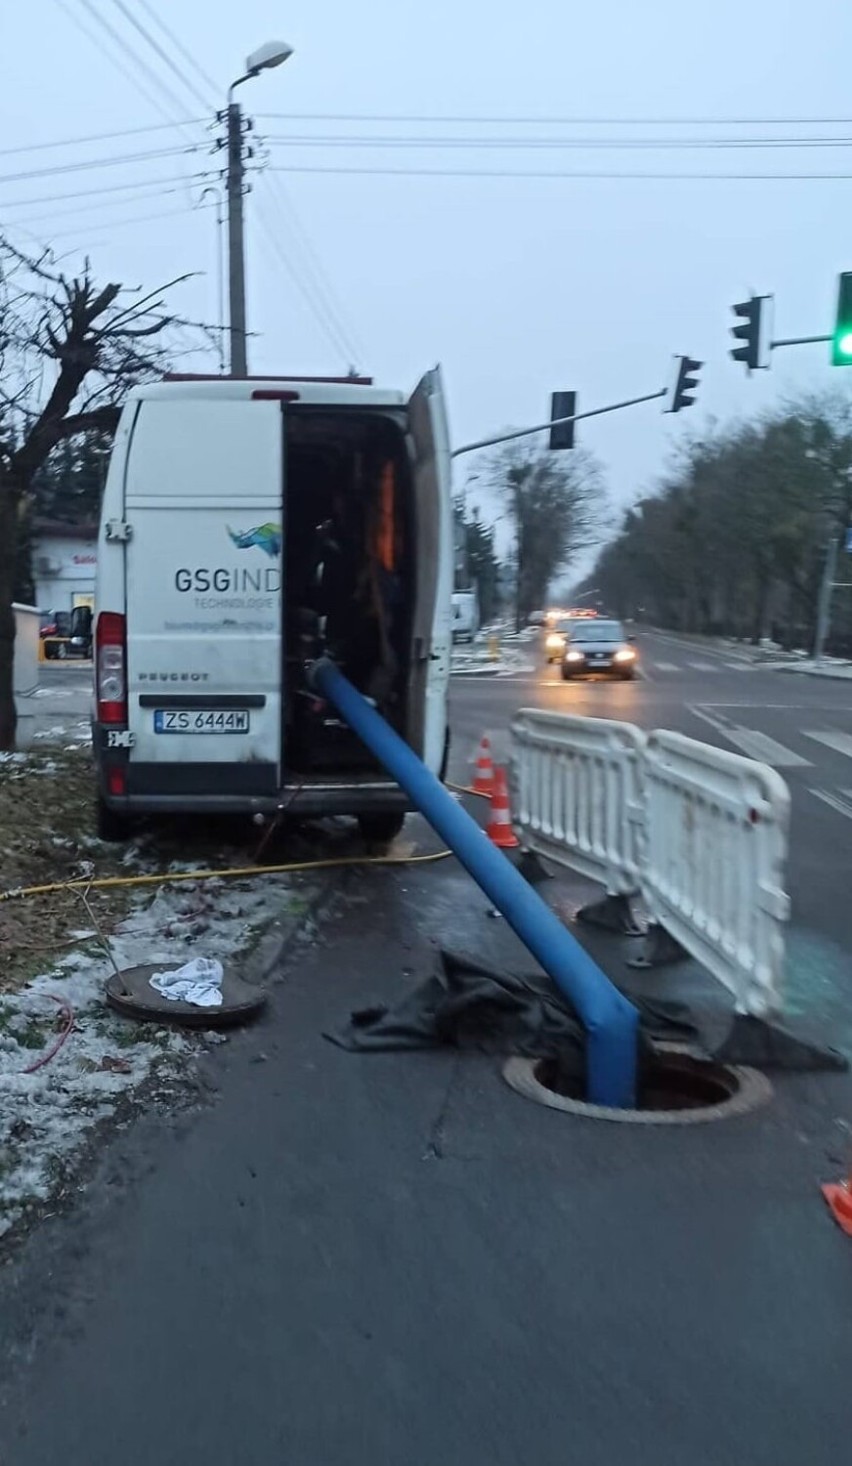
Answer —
677 1088
130 993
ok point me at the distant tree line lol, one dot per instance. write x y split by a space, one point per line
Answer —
734 540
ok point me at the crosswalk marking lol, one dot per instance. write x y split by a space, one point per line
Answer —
766 750
752 743
840 802
701 666
840 742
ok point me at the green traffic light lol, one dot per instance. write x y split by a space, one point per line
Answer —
841 345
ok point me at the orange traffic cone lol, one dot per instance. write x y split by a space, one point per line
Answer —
483 779
839 1198
500 831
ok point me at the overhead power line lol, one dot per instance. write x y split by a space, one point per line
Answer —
87 210
131 73
560 144
182 50
179 72
109 224
523 121
313 280
554 173
132 54
328 326
87 163
143 183
99 137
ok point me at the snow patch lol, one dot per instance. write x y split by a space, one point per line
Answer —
45 1117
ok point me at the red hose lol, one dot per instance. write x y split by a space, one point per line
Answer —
52 1052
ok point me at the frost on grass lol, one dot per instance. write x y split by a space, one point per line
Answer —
46 1117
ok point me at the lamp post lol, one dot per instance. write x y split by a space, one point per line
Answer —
272 54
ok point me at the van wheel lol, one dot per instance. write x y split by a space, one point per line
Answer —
380 829
110 825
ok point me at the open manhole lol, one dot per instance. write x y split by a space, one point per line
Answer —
676 1088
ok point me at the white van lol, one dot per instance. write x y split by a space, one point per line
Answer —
246 526
465 615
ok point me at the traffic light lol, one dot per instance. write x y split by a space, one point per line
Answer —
841 341
686 382
750 313
562 404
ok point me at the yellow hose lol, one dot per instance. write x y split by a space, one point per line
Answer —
465 789
161 879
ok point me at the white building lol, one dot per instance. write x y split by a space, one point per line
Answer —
64 565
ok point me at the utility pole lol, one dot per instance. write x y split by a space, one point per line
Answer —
829 570
236 243
273 53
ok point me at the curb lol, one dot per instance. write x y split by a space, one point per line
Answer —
841 674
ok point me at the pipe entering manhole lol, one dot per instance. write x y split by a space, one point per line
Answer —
675 1088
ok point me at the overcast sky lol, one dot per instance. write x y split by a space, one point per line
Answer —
517 285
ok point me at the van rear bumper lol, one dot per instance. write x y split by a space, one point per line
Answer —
311 797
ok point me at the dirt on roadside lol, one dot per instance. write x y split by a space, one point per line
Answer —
47 836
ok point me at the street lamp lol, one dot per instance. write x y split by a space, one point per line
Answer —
273 53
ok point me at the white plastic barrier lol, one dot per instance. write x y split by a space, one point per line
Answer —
25 671
713 867
25 667
577 794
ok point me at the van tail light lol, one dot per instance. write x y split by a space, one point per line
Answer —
111 667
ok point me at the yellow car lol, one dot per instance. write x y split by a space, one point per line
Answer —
554 641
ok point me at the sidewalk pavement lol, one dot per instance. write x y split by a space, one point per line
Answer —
387 1258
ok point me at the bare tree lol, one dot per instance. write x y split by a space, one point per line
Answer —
69 352
557 503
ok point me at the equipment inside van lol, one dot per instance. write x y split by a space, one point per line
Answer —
249 526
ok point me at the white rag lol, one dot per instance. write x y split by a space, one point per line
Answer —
198 982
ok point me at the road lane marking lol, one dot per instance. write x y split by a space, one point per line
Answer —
665 667
840 742
705 666
841 802
753 744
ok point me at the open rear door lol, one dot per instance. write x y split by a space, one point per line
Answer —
432 624
203 500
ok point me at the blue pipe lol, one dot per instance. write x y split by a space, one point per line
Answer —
610 1021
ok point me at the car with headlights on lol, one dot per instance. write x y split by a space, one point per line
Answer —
598 647
557 636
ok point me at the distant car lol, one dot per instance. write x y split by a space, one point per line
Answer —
66 633
554 642
536 618
598 647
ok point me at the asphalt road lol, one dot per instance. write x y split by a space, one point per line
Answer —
386 1258
801 725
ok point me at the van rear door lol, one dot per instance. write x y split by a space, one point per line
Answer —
433 615
203 499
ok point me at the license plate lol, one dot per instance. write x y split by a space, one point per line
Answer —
200 720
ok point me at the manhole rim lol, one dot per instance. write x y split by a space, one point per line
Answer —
754 1089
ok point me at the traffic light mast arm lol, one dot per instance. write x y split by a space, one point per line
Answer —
546 426
798 341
